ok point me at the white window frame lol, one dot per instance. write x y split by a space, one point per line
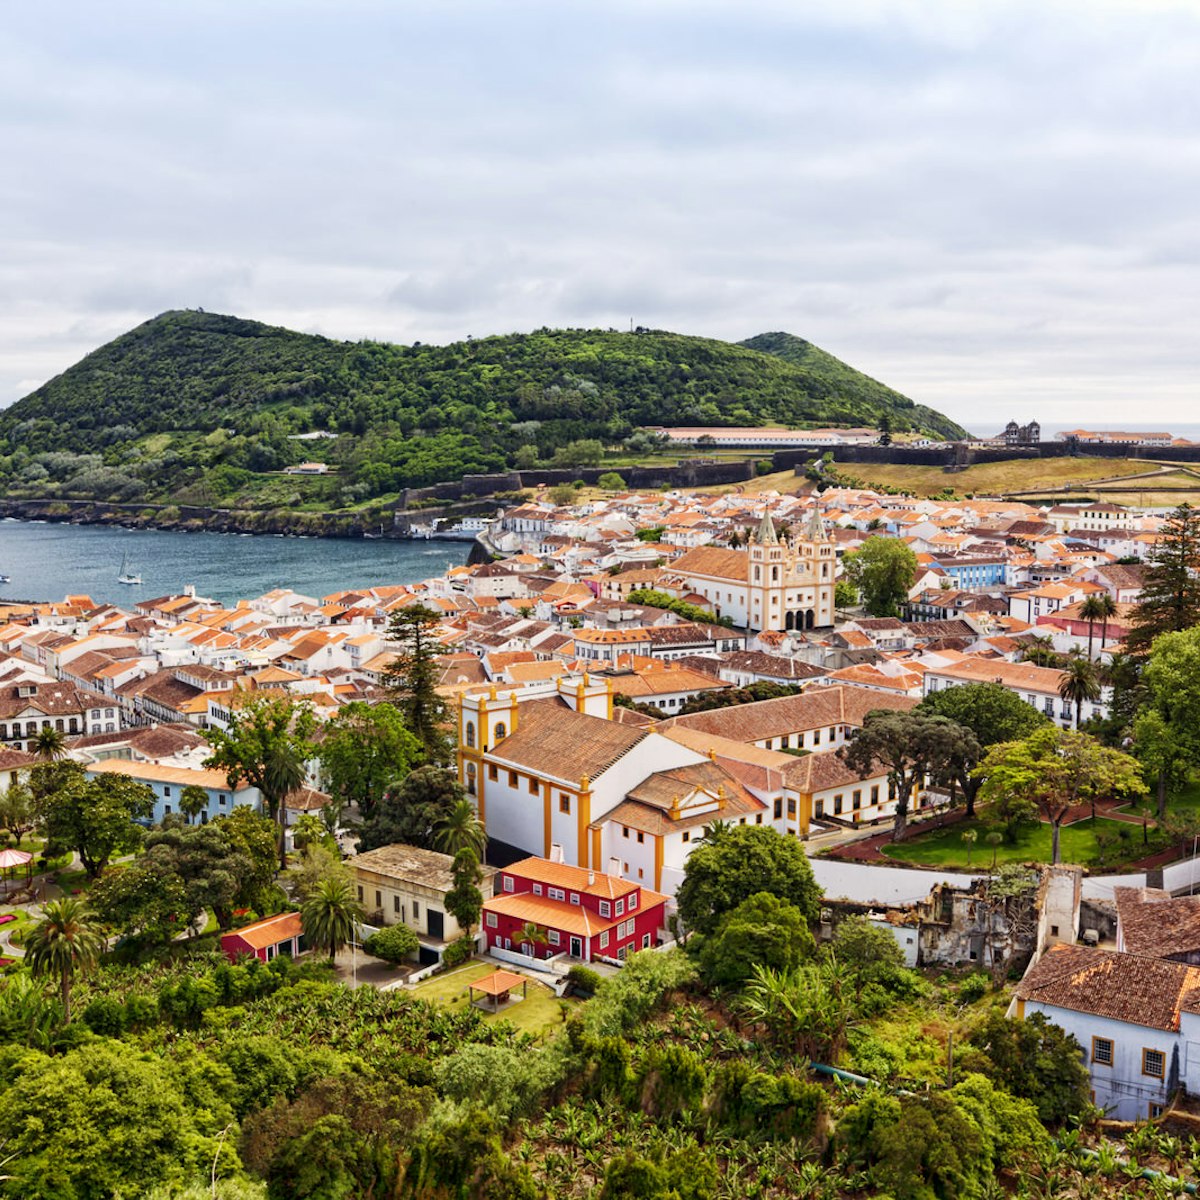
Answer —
492 923
605 908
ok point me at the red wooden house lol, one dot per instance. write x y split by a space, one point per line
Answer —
584 914
280 934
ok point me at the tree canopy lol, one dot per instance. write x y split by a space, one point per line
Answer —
202 404
732 864
94 817
415 810
1170 596
1053 770
364 749
992 713
909 746
882 572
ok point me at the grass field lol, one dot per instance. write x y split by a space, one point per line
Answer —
945 847
1002 478
539 1012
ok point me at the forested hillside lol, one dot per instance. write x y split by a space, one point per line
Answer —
193 405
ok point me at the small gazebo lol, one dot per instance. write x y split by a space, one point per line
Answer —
498 985
10 860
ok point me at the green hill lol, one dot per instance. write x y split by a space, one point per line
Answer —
847 383
202 407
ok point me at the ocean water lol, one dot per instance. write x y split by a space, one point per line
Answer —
46 562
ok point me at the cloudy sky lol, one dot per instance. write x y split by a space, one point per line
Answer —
993 207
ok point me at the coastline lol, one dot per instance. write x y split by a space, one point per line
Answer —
196 519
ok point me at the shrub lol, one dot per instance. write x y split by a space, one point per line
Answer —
458 952
106 1016
583 980
393 943
762 929
974 987
751 1103
610 481
673 1081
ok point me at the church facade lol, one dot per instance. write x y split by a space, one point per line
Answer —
771 584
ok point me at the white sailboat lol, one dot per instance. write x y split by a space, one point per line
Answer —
128 574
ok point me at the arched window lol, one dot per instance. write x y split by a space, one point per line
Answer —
470 732
757 574
774 574
470 779
501 731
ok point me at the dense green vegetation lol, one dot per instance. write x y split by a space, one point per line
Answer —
201 408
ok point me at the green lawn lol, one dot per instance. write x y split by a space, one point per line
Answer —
537 1014
945 847
1187 799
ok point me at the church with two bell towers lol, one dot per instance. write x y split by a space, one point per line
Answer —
771 584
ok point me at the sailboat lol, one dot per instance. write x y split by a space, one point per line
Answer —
127 575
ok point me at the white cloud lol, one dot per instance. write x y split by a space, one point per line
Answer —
988 206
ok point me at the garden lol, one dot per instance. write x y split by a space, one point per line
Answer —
538 1012
1104 843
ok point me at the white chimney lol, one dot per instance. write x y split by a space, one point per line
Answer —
556 852
591 878
614 866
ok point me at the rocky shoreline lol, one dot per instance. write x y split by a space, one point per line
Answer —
190 518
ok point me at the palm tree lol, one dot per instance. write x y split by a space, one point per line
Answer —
532 934
1040 651
63 943
459 828
283 774
994 839
330 915
970 836
193 800
50 744
1080 682
1108 608
1091 610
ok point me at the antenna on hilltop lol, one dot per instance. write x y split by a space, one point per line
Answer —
630 324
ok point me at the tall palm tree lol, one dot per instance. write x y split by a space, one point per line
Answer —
330 915
1080 682
459 828
284 773
1108 608
1091 610
50 744
65 942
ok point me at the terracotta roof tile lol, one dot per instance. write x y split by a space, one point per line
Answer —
1122 987
552 739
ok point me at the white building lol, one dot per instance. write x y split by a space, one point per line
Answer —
769 585
1035 685
168 784
1136 1018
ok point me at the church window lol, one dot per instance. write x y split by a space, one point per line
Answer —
471 734
501 731
774 574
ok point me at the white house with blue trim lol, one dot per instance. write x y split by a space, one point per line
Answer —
1136 1019
167 783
